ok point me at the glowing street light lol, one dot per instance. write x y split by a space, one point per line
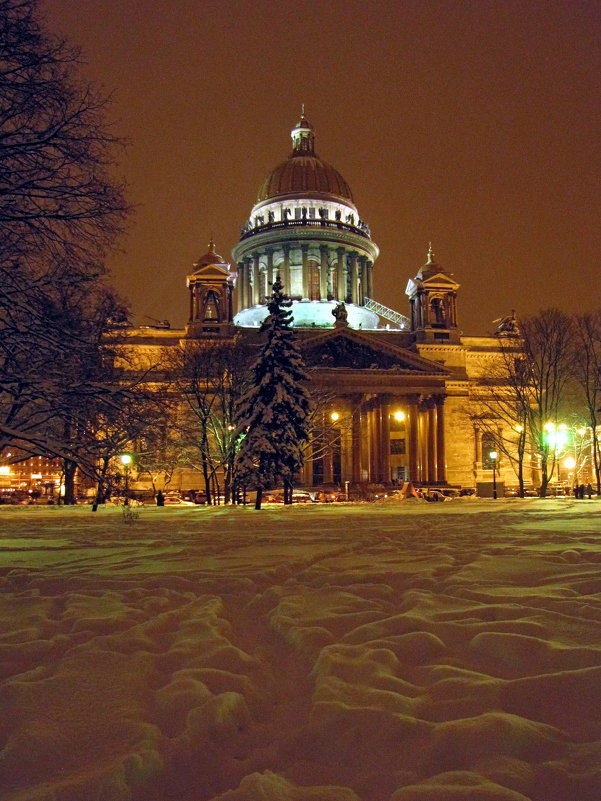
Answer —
399 416
125 460
335 416
570 463
494 456
556 437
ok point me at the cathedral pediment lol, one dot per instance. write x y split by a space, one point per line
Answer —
211 272
440 279
350 350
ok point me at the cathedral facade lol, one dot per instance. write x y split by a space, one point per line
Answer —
397 386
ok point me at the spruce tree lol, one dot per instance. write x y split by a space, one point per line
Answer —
274 414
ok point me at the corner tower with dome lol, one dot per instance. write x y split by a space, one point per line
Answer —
306 227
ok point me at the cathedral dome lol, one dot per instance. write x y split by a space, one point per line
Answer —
304 173
210 257
301 175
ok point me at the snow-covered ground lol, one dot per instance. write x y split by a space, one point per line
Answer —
403 652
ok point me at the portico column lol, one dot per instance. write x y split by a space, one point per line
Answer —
412 405
354 279
308 467
323 273
341 293
362 279
192 303
328 466
270 278
256 281
357 439
441 466
425 310
248 300
374 445
422 444
369 282
305 252
286 272
240 286
385 441
230 303
432 473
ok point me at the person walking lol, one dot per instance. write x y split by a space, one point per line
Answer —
160 499
589 491
581 492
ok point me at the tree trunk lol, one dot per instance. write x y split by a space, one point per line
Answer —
596 460
100 492
259 498
69 468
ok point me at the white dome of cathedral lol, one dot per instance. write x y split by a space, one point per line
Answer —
305 227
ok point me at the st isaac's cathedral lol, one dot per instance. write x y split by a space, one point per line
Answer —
398 386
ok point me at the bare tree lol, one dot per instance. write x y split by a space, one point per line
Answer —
546 341
500 403
60 211
210 377
519 398
586 369
59 207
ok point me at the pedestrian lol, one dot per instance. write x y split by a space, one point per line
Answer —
160 499
581 492
589 491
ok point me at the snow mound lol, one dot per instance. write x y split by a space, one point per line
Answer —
320 653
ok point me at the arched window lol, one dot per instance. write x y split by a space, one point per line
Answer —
211 310
437 311
489 444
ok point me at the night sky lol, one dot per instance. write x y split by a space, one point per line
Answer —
474 124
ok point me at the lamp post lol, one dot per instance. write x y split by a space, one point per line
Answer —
125 459
493 455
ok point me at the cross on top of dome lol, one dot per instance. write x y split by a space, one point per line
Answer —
303 136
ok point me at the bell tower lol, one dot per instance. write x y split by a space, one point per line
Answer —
433 298
211 287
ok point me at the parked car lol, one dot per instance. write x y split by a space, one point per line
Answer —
435 495
277 496
175 500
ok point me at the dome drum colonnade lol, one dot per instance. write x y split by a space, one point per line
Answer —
305 228
308 269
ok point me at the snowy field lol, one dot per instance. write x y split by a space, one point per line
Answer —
406 652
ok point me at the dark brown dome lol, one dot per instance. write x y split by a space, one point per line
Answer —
304 173
210 258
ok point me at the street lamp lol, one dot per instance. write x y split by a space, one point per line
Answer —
493 456
125 459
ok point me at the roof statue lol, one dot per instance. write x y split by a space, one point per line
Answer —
340 315
508 325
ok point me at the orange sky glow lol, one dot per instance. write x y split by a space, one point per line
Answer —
472 124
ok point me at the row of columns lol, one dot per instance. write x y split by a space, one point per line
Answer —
256 274
424 313
365 441
219 296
